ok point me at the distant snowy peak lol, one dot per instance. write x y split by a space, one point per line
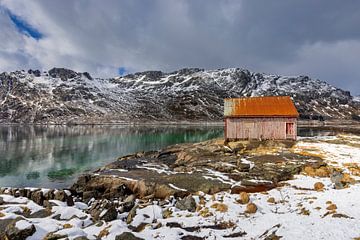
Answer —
62 95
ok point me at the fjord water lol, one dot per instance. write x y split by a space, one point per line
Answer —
53 156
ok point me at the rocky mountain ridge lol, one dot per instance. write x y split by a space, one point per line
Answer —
61 96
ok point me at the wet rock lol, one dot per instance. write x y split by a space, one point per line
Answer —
188 203
127 236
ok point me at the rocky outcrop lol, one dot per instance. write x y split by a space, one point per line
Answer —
209 167
68 97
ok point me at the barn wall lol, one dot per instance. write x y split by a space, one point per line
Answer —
259 128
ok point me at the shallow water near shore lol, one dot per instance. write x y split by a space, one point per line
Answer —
54 156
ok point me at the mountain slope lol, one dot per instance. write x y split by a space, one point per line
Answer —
64 96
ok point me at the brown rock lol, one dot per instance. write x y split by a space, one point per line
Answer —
244 198
251 208
332 207
322 172
319 186
220 207
310 171
271 200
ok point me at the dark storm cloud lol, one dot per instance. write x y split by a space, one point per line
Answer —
316 38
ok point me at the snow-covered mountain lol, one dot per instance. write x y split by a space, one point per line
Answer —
64 96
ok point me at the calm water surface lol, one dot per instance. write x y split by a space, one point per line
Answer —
38 156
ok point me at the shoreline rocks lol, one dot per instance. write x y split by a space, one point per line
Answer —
210 167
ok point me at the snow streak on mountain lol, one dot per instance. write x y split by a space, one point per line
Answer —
64 96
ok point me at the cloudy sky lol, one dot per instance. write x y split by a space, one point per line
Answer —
107 38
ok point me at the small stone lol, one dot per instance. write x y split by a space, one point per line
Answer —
332 207
251 208
244 198
271 200
328 202
67 225
319 186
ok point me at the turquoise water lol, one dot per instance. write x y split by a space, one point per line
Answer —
53 156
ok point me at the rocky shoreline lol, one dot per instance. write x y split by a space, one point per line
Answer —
146 193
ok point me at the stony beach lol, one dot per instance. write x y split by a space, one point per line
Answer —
207 190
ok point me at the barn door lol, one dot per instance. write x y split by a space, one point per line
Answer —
290 131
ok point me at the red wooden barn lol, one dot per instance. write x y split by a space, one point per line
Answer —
260 118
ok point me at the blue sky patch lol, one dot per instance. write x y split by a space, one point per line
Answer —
122 71
24 27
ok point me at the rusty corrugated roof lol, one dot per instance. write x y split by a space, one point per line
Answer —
260 107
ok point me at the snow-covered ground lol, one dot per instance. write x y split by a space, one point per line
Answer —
296 212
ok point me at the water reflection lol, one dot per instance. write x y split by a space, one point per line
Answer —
53 156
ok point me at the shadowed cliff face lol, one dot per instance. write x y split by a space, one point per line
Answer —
64 96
